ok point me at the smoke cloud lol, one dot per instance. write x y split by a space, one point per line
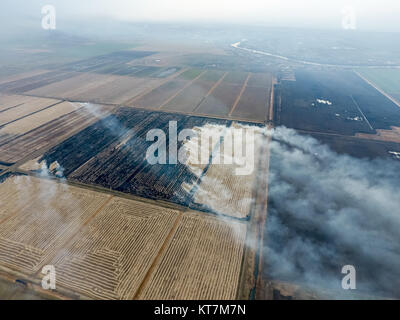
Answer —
328 210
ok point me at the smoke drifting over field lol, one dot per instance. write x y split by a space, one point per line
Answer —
328 210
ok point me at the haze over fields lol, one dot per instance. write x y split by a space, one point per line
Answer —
317 81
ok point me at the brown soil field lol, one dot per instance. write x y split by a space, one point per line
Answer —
28 107
46 135
73 87
236 78
191 97
202 261
253 104
43 216
34 121
9 78
383 135
158 96
34 82
117 91
110 257
221 101
260 80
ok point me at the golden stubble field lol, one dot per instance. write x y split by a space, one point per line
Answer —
107 247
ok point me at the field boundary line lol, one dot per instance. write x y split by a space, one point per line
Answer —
147 91
181 90
240 95
362 113
159 256
18 105
211 90
30 114
378 89
271 101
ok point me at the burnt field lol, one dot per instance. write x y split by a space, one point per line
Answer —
359 147
111 153
333 102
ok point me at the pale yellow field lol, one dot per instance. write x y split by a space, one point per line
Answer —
45 215
36 120
234 193
72 87
203 261
20 76
117 91
29 106
110 257
9 101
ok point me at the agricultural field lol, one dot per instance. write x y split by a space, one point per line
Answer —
365 147
112 59
386 79
338 102
71 88
22 110
221 101
33 82
190 98
110 256
37 223
157 97
236 194
111 154
202 262
106 247
11 101
24 125
48 134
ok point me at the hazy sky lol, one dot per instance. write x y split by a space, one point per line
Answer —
371 14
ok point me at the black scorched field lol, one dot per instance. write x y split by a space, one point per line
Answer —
112 154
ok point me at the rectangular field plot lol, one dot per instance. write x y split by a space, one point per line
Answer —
74 87
191 97
40 224
112 153
31 83
202 262
386 79
157 97
24 125
11 101
47 134
253 104
29 106
9 78
236 183
99 62
110 257
334 102
263 80
236 78
221 101
117 91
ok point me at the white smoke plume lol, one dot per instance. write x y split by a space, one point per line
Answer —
328 210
